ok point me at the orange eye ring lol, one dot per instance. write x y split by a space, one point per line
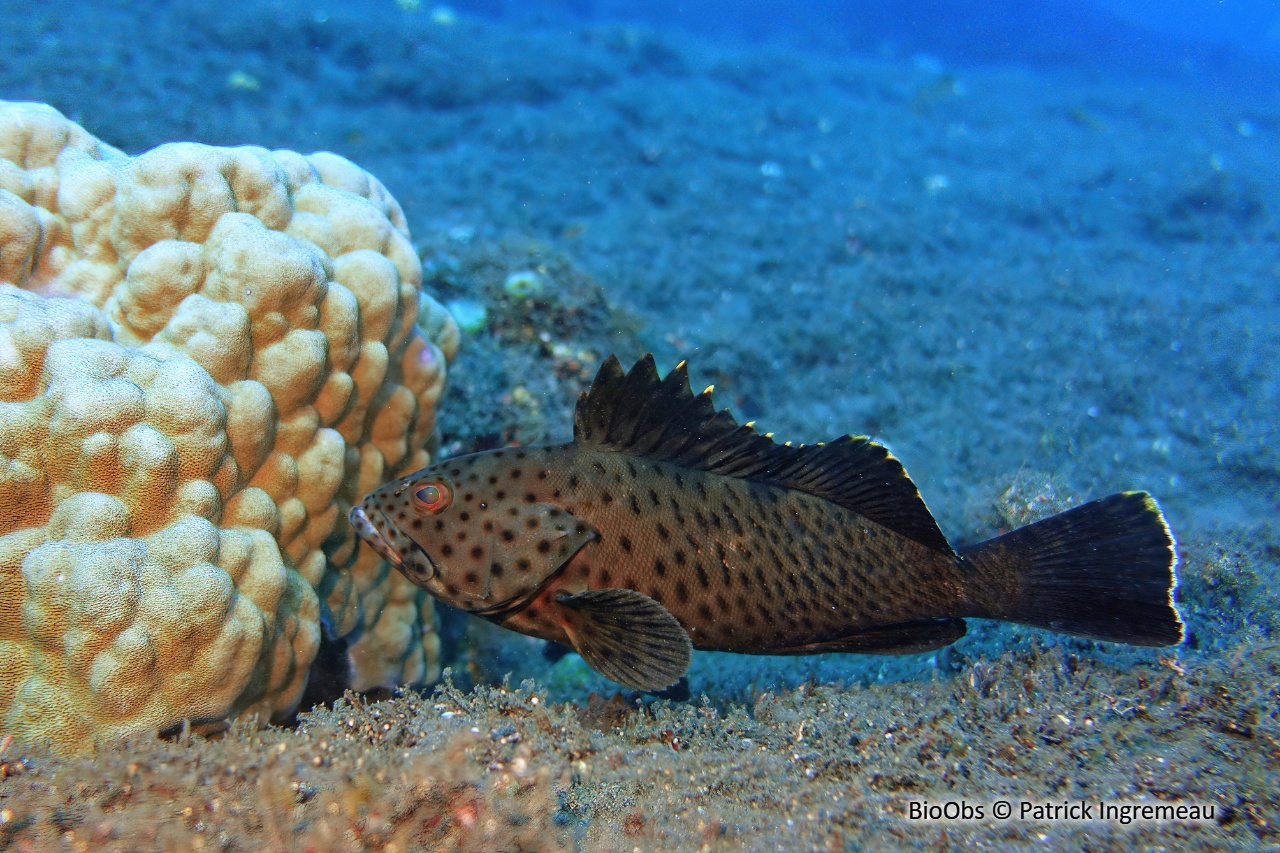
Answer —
432 497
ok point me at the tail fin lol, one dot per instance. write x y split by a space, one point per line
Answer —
1103 570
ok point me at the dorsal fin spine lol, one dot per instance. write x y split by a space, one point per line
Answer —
660 418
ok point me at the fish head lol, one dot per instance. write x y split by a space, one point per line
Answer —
482 550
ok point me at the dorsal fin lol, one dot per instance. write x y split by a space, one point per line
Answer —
638 413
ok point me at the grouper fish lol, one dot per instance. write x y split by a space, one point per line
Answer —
666 526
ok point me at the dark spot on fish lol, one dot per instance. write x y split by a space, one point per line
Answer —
703 580
500 495
464 516
580 529
521 454
513 511
631 469
663 533
679 555
660 567
477 552
543 474
531 522
530 498
704 611
468 498
455 472
573 481
721 604
498 454
446 549
702 490
700 519
606 497
462 536
625 543
585 571
402 516
682 592
508 536
635 504
544 546
679 478
439 524
598 466
515 473
715 521
495 569
523 564
493 480
656 595
487 526
532 611
470 577
734 524
605 577
417 524
653 497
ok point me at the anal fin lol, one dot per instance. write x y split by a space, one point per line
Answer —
627 636
904 638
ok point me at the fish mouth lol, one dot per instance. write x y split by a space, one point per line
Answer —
369 532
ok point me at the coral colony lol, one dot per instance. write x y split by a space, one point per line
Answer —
209 350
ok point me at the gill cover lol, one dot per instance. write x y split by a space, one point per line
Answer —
529 544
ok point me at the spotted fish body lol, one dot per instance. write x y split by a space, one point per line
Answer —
666 525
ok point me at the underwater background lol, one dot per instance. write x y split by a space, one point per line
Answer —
1034 247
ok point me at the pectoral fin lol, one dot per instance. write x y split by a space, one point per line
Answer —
627 636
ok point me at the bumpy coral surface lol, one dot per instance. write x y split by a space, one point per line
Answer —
205 355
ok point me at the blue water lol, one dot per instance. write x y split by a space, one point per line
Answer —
1002 236
1139 31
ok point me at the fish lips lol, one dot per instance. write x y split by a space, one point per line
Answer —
371 534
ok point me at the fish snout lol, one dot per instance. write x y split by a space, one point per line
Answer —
371 534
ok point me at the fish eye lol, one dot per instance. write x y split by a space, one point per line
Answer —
432 497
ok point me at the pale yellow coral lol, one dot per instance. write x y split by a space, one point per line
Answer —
205 355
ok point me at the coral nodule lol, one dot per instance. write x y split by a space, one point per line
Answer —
205 355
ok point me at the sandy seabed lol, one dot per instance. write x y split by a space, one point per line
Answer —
813 768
